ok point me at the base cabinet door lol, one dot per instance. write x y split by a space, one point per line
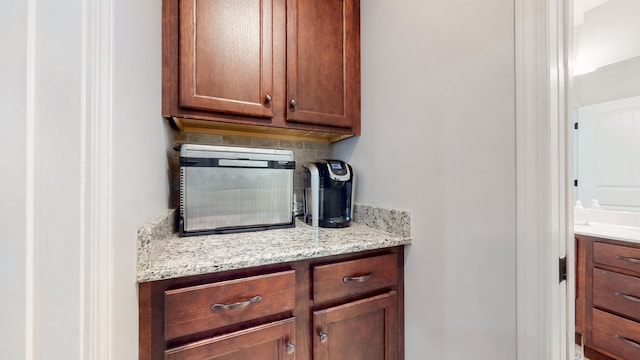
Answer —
359 330
273 341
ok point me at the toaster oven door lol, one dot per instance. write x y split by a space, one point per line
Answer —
222 195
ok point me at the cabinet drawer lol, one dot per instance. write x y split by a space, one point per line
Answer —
274 341
334 281
616 335
204 307
617 293
623 257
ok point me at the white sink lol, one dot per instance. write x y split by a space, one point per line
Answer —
614 218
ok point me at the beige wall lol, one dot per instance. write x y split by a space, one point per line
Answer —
438 139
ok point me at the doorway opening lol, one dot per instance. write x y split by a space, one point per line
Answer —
603 105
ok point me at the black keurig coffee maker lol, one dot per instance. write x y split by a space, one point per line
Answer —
328 193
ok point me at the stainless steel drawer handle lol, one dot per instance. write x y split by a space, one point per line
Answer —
628 259
625 296
358 278
627 341
236 305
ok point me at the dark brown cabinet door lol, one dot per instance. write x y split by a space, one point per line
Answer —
274 341
323 63
361 330
226 56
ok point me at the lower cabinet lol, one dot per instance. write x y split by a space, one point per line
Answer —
608 308
360 330
339 307
273 341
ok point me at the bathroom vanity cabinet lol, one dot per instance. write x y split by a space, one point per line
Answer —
336 307
608 297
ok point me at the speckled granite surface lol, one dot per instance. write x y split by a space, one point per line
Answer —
392 221
153 236
162 254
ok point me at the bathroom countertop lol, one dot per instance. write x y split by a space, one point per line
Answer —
163 254
607 231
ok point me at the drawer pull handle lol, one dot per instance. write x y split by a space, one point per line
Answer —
628 297
236 305
627 341
358 278
323 337
628 259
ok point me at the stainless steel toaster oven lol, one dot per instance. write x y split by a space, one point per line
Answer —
227 189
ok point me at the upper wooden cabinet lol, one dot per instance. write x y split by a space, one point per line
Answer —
226 56
287 68
323 62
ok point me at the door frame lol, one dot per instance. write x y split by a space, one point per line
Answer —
543 305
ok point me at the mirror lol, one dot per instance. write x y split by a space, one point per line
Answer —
606 101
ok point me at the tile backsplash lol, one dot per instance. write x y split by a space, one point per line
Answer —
303 152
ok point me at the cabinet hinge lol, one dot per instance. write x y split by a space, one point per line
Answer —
575 125
562 268
575 182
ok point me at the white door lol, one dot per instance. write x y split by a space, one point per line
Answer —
608 136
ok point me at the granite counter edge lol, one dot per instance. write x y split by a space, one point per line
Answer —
154 236
186 268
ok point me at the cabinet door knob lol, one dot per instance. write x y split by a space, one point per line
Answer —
267 98
293 102
290 348
323 337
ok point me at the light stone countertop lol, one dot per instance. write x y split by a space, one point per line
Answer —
163 255
611 224
606 231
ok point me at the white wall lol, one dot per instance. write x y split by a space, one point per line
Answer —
607 64
599 41
612 82
46 199
438 139
13 54
142 142
41 202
